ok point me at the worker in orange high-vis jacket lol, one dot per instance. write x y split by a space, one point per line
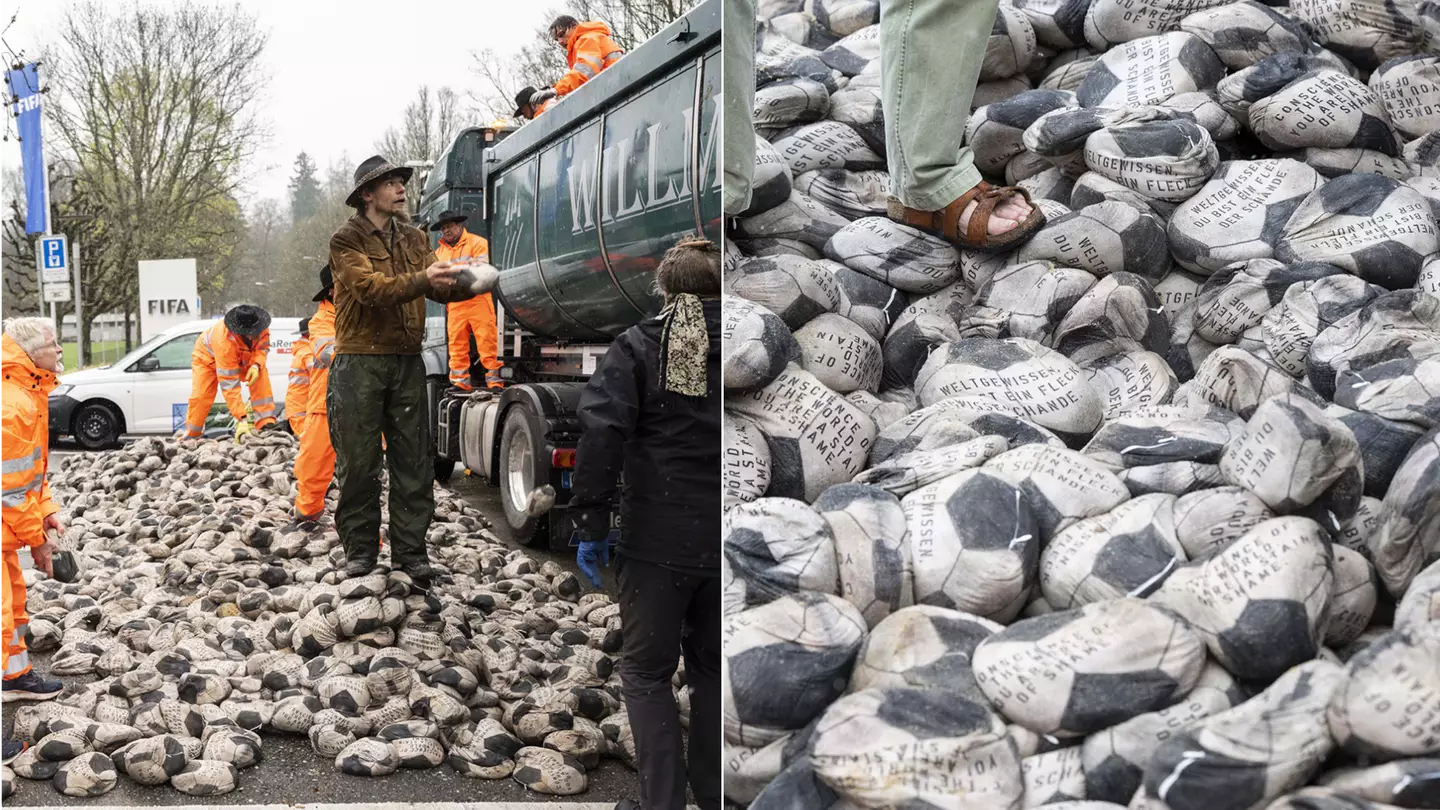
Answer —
229 353
527 108
473 317
588 50
30 356
315 464
298 389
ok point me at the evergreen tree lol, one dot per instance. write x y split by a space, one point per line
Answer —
305 195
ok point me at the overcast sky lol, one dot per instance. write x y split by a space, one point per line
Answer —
315 100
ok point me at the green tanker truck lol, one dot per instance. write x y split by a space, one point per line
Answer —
579 206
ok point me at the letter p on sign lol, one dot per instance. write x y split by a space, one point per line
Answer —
54 260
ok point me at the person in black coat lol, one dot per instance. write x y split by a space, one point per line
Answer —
653 407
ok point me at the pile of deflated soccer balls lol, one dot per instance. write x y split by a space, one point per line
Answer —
206 628
1145 512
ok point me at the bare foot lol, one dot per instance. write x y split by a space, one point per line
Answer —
1006 217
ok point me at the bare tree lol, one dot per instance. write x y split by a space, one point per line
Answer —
631 21
306 248
540 63
338 177
74 213
430 124
265 229
17 255
284 253
537 64
156 106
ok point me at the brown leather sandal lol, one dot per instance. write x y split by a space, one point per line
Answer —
945 223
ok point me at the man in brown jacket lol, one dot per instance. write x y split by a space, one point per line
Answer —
384 270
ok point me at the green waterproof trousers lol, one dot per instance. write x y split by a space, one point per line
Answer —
370 395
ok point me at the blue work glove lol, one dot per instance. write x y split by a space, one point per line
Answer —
590 555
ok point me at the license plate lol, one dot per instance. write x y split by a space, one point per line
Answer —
564 479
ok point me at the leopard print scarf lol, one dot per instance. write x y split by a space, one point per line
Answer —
684 346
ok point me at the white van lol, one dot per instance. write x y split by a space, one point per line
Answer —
148 390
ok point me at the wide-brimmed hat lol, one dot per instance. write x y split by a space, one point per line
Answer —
327 280
375 168
247 321
448 216
522 98
304 326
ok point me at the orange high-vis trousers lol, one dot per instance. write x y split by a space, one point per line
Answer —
203 385
16 659
314 467
462 319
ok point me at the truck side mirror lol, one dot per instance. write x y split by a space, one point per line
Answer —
150 363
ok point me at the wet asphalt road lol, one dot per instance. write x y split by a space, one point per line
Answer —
292 773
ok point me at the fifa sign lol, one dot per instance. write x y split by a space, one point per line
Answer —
168 295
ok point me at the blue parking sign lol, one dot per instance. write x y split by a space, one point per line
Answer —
54 260
54 253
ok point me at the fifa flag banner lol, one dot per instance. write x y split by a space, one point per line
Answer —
25 98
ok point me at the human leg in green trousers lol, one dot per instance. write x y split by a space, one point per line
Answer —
739 109
411 464
355 401
932 51
369 395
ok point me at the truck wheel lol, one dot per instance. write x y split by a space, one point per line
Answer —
96 426
522 469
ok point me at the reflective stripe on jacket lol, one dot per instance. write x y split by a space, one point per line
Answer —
26 453
232 358
588 51
297 393
322 355
470 246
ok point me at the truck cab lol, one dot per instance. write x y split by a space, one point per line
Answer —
579 207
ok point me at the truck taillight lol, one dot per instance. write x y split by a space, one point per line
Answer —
562 458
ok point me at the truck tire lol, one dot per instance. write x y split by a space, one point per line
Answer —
96 426
522 468
444 468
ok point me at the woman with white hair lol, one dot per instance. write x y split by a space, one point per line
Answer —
29 361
